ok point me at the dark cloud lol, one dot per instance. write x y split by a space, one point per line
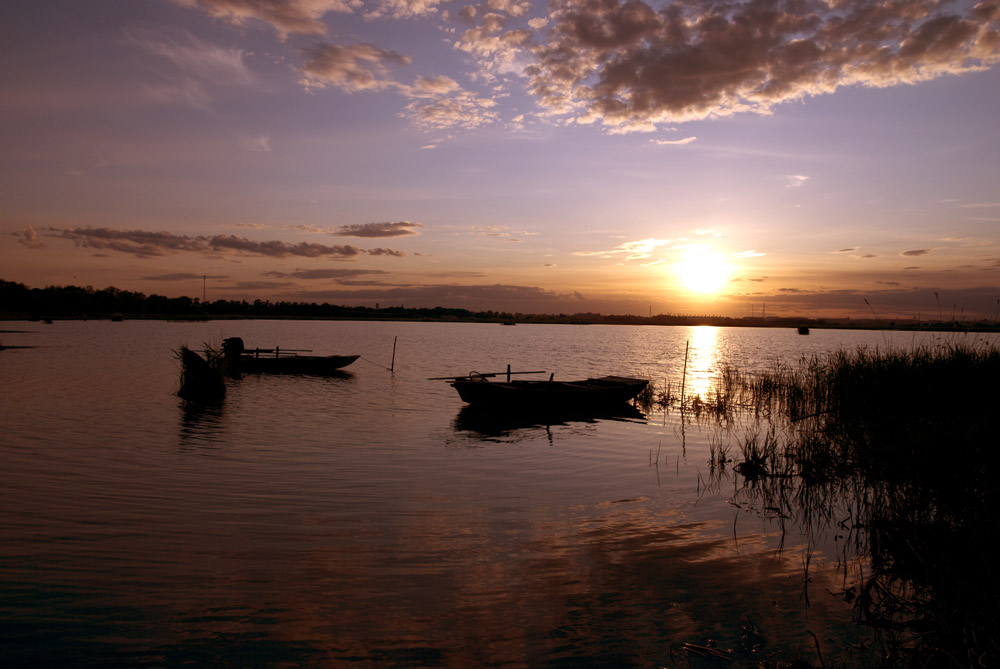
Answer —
915 252
141 243
385 252
386 229
463 274
631 64
144 244
262 285
324 273
352 67
183 276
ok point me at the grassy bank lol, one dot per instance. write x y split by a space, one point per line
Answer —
898 451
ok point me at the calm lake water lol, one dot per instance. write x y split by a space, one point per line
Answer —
368 519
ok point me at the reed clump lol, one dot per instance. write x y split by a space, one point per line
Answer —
202 379
897 450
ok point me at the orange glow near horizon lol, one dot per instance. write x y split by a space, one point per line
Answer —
703 270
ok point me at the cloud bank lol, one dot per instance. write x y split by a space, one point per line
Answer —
630 65
634 65
145 244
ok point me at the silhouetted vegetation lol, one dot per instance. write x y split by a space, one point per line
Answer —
896 452
18 301
202 378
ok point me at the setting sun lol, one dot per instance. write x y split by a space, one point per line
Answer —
702 270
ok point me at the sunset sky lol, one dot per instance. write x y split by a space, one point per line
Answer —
565 156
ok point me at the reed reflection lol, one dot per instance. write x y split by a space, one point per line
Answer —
878 450
201 423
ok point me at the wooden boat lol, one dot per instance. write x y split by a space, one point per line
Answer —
606 391
276 360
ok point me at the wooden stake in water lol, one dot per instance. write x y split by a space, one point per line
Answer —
392 365
684 376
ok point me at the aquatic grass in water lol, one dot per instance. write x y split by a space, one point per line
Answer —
896 450
202 379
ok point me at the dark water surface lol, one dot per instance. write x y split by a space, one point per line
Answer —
368 519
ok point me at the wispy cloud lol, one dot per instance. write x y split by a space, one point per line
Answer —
501 231
256 143
330 273
184 276
28 237
795 180
285 16
439 103
674 142
980 205
187 68
913 253
637 250
401 9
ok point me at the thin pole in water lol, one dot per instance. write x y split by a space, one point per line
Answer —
684 376
508 372
392 365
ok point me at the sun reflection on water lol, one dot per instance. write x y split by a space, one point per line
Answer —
703 361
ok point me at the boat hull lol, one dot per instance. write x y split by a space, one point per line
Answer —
293 364
547 395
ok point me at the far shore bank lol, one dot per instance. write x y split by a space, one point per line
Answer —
802 324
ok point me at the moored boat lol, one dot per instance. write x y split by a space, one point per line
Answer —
606 391
276 360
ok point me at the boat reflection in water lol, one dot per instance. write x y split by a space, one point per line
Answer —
490 422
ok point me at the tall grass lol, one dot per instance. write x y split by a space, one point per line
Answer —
897 450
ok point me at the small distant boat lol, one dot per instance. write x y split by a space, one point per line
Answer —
803 330
241 360
606 391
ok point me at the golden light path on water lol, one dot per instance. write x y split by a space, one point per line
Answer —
702 361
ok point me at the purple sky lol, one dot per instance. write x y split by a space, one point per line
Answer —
538 157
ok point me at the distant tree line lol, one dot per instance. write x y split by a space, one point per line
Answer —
20 301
